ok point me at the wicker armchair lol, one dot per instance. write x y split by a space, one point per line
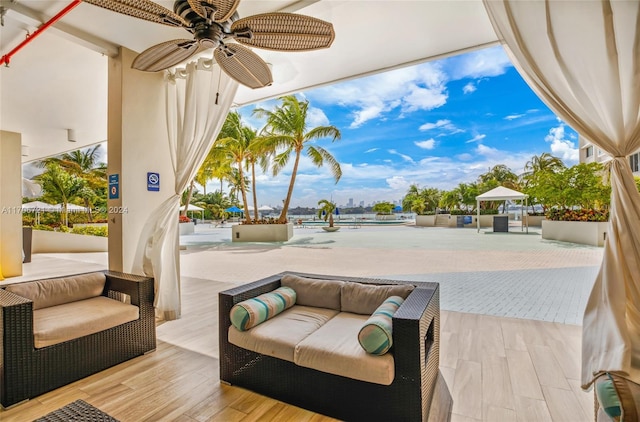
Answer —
416 332
26 372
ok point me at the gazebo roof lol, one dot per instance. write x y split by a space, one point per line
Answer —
501 194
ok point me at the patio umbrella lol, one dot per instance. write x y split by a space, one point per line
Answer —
233 209
38 207
265 208
398 208
192 208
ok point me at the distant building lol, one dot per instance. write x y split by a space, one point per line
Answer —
362 204
350 203
590 153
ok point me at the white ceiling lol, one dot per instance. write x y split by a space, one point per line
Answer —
58 81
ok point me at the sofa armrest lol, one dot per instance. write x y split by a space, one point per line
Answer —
139 288
416 338
16 322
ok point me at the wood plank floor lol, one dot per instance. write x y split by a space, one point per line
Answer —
497 369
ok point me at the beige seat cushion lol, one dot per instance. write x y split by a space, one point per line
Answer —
315 292
334 348
56 291
364 299
57 324
278 336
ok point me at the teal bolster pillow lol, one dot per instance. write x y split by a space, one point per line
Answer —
608 397
251 312
375 336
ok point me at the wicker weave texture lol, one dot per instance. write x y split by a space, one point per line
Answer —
78 411
224 9
165 55
26 372
285 32
244 66
408 398
141 9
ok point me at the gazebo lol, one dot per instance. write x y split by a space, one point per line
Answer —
502 194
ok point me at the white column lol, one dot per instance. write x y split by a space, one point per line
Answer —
10 204
137 145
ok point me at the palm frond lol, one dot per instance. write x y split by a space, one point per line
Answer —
334 166
323 132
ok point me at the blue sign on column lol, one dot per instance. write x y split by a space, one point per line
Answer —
153 182
114 186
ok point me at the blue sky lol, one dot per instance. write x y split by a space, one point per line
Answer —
436 124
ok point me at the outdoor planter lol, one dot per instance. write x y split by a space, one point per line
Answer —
58 242
485 221
330 229
535 220
425 220
186 228
261 232
584 232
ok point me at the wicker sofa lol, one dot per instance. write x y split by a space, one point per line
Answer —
415 360
54 331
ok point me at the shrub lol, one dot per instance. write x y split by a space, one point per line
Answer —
43 227
91 231
577 215
465 212
184 219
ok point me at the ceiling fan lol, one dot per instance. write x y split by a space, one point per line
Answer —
215 22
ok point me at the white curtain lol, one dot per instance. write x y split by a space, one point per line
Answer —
193 123
583 59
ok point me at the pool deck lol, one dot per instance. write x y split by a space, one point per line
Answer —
502 274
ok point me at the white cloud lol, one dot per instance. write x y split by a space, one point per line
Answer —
371 150
316 117
398 183
408 89
464 156
478 64
476 138
403 156
513 116
469 88
444 124
428 144
562 147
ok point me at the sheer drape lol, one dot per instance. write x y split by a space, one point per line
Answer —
583 60
193 123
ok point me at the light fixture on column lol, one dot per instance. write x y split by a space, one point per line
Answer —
25 150
71 135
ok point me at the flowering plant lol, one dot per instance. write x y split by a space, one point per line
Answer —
184 219
578 215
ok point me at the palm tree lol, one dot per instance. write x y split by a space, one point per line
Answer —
286 131
84 164
542 162
60 186
236 147
258 153
326 209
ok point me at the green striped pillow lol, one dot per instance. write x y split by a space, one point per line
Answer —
375 336
251 312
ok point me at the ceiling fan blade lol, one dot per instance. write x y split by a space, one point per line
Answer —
243 65
142 9
165 55
224 9
283 32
